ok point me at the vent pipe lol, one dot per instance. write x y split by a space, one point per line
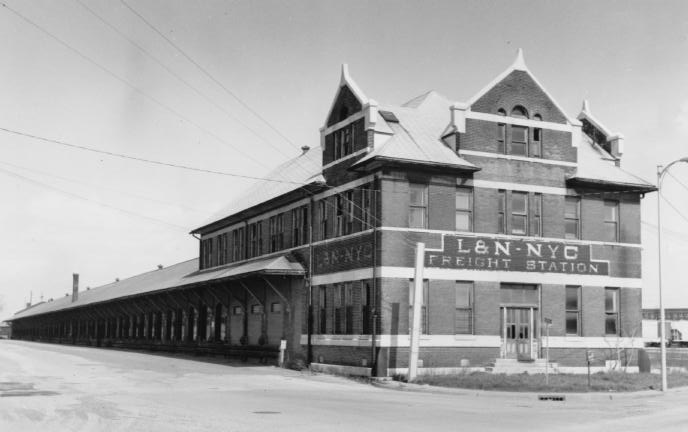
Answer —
75 287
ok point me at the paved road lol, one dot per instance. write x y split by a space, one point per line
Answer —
62 388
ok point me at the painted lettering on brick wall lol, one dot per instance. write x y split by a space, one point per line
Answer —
484 253
343 257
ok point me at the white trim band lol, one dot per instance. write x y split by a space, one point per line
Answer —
516 158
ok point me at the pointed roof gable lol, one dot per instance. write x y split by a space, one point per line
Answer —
347 87
518 67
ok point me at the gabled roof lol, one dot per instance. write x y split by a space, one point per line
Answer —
519 64
346 80
176 276
597 168
417 136
293 174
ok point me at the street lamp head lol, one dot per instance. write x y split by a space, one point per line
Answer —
684 159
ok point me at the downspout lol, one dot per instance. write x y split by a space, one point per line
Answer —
373 345
308 280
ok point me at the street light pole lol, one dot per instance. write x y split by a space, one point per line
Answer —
662 330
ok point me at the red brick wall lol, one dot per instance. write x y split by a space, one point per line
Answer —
592 300
346 99
518 88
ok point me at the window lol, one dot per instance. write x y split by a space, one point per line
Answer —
238 244
344 141
209 253
322 311
237 310
537 215
222 249
424 320
501 211
501 133
611 311
536 143
348 308
365 308
464 209
572 217
573 327
418 205
256 309
519 140
519 213
276 308
255 245
299 226
463 318
276 228
611 221
322 214
339 215
338 306
349 214
366 207
519 112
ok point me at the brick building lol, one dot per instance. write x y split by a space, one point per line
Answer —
525 213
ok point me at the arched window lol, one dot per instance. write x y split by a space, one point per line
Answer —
536 144
519 112
501 133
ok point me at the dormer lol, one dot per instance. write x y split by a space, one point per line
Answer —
611 142
350 118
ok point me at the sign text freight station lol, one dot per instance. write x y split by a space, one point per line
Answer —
514 255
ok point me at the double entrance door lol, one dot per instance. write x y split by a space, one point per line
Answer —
518 328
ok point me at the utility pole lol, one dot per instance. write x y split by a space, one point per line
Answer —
417 305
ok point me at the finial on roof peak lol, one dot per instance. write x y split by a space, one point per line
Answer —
586 106
520 63
345 72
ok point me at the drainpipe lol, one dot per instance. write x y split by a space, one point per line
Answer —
373 345
308 279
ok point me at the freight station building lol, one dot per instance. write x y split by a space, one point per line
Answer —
526 213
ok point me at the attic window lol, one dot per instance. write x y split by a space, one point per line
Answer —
519 112
389 116
343 113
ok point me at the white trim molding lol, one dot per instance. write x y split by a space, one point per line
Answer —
516 158
389 341
606 342
475 115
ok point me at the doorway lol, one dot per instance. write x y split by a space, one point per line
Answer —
517 332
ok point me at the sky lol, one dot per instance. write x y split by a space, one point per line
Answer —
93 73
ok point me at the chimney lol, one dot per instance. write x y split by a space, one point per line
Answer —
305 149
159 266
616 147
75 287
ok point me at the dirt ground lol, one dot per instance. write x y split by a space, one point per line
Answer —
64 388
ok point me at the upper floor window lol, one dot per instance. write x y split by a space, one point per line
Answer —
418 205
255 242
464 209
349 215
322 216
276 228
339 215
519 213
519 140
536 143
501 211
299 226
344 140
366 207
572 217
222 249
519 112
501 133
611 221
537 215
238 244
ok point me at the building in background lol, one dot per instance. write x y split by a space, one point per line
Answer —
525 212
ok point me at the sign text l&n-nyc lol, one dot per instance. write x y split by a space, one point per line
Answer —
485 253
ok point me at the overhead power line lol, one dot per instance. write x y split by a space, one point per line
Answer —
146 198
130 85
207 74
178 77
144 160
102 204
